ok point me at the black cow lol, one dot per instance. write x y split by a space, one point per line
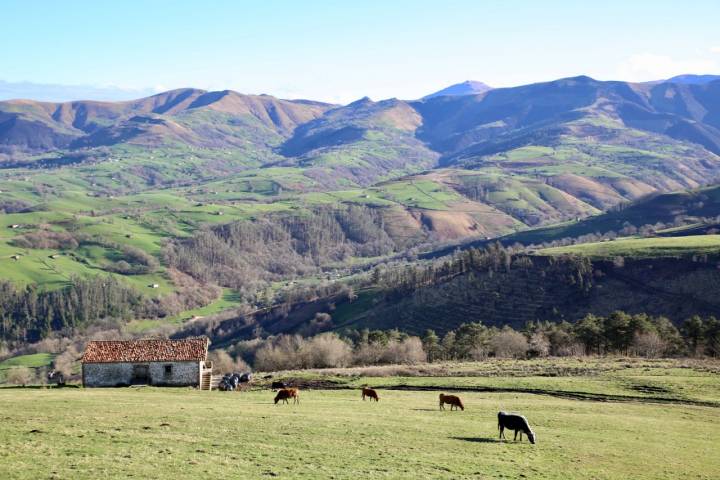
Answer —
56 377
518 423
277 385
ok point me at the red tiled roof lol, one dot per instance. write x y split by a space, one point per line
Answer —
187 350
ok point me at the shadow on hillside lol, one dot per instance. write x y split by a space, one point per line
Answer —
476 439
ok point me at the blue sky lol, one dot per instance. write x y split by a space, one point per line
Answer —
340 50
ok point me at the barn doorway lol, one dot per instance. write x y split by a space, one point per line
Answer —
141 374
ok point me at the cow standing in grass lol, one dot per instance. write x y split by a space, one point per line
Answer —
518 423
369 392
287 393
56 377
452 400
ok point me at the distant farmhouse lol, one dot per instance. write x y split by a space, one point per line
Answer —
147 362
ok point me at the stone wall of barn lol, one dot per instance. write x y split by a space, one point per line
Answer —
121 374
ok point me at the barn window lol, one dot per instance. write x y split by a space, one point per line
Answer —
168 369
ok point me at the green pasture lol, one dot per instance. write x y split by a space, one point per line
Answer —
643 247
183 433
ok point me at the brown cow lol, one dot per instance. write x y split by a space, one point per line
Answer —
369 392
453 400
287 393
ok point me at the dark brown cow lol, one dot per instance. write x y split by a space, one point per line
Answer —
369 392
453 400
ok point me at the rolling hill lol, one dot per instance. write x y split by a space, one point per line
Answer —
693 79
193 117
660 208
85 186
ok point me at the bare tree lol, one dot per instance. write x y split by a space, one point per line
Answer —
407 351
223 362
509 344
325 350
649 344
65 362
539 345
20 376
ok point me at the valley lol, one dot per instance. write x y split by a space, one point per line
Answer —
288 193
349 240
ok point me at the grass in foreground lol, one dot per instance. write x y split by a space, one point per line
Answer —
180 433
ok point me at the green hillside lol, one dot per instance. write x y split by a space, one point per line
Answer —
681 246
663 209
134 189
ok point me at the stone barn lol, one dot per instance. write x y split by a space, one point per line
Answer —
147 362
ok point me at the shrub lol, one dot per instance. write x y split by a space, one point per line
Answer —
509 344
20 376
407 351
223 362
649 345
46 239
539 345
279 353
574 349
325 350
321 323
65 362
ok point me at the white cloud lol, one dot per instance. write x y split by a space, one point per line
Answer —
715 49
649 66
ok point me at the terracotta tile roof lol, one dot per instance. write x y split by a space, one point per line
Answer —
158 350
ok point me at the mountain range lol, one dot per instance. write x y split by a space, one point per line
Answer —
247 191
453 165
596 141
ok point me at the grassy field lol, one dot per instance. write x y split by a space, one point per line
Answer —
643 247
182 433
34 360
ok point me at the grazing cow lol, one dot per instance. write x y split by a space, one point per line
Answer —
56 377
277 385
369 392
518 423
453 400
287 393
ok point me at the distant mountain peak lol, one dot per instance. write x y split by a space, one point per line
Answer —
579 78
693 79
468 87
360 102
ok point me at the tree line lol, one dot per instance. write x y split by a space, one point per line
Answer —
247 254
28 314
495 258
616 334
